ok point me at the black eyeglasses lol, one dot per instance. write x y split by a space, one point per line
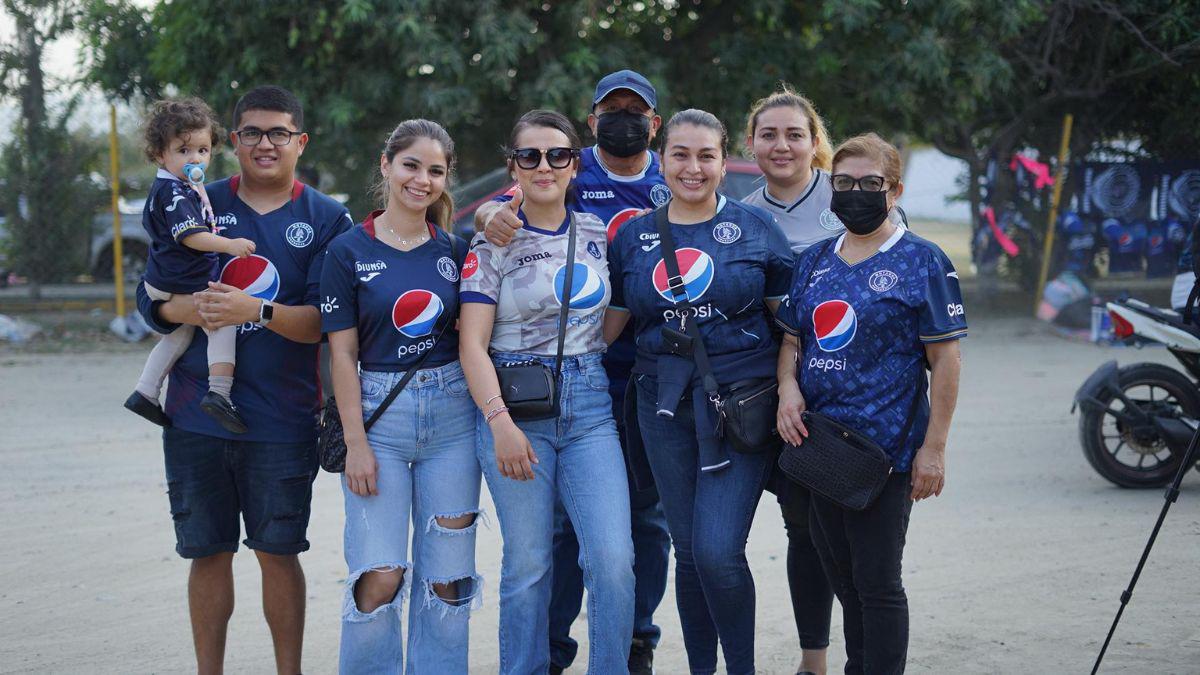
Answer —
253 136
531 158
844 181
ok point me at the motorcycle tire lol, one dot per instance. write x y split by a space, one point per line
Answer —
1092 426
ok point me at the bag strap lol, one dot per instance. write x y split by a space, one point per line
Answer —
412 371
566 304
683 304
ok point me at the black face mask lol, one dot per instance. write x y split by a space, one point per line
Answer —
622 133
860 211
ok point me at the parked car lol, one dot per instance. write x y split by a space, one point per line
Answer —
742 177
135 243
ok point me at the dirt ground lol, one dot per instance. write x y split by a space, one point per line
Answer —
1017 567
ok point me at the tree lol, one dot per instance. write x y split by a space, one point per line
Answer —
47 196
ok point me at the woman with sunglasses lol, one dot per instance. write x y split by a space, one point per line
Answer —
867 312
734 263
511 304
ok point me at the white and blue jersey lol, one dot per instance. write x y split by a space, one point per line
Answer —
863 329
173 212
730 264
276 387
397 300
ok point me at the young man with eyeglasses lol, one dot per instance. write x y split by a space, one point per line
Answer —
265 475
619 177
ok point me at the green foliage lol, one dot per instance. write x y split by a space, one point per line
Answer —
975 77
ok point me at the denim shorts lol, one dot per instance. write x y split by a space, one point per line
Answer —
210 481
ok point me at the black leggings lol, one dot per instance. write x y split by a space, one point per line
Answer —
812 595
862 552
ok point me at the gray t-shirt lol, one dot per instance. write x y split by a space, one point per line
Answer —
806 221
524 281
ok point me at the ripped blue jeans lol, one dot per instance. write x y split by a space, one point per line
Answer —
425 447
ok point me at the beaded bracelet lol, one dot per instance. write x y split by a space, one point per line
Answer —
493 414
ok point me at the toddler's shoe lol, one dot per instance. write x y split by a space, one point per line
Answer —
147 409
224 412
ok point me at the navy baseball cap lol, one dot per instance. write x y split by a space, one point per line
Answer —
626 79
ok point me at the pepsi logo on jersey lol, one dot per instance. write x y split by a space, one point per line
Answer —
834 325
414 314
256 276
620 218
587 292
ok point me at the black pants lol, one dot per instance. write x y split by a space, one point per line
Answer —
861 552
812 595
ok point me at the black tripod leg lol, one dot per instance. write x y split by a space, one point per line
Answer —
1169 498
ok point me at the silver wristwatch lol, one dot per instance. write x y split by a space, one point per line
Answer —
266 311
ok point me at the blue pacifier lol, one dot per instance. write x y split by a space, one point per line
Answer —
194 172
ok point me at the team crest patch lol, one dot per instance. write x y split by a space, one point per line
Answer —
660 194
831 222
883 280
727 232
594 250
299 235
447 269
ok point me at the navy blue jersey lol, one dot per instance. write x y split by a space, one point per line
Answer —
862 330
730 265
398 300
172 214
1125 243
276 386
1160 255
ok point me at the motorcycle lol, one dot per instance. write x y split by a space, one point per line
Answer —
1136 421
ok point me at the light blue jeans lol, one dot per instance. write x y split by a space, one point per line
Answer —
427 468
579 462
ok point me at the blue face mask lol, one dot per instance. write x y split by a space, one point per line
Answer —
194 172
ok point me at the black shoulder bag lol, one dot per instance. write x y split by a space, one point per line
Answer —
746 411
836 461
530 389
331 440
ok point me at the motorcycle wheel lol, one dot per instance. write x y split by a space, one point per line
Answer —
1137 457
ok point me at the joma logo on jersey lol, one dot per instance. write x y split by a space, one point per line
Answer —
532 258
597 194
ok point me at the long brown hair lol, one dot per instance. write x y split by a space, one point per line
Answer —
402 138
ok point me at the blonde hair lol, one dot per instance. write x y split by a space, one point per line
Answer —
874 148
788 97
407 133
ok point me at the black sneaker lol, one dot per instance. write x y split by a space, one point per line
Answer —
147 409
641 658
223 412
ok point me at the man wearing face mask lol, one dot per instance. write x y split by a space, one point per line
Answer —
619 177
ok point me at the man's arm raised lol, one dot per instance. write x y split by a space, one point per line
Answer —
499 221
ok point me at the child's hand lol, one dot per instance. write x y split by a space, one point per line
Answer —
239 248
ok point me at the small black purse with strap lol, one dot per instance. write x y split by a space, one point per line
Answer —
530 388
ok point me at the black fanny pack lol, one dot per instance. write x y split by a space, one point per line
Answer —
530 388
745 410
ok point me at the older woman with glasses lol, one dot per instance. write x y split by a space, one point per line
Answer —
518 305
867 314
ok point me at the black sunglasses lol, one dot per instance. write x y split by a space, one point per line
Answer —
531 158
843 182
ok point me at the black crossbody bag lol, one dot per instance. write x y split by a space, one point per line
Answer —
836 461
331 439
530 389
746 410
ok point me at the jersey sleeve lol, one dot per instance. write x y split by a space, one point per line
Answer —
942 317
481 273
339 297
788 316
616 272
780 262
341 222
181 213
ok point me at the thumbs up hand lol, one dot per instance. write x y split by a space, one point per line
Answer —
503 223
